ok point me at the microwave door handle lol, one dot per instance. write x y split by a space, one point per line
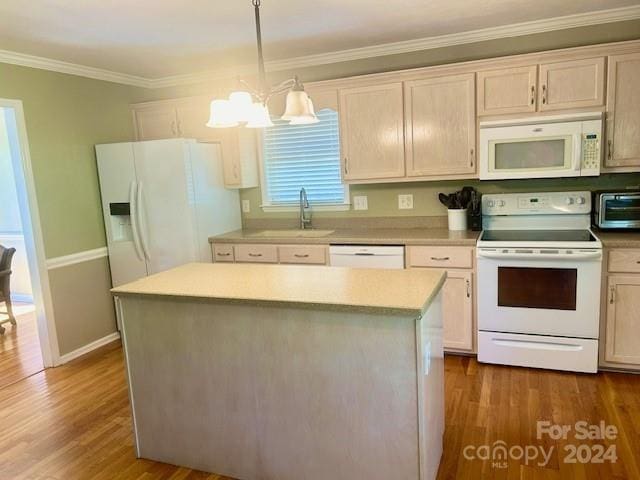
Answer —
577 155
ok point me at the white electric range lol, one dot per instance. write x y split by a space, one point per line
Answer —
539 275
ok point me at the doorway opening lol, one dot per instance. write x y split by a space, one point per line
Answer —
26 346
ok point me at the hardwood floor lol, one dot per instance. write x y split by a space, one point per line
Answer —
73 422
20 354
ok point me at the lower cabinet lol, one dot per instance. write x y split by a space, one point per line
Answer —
457 310
622 344
458 292
269 253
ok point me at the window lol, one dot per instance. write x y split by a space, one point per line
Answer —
308 156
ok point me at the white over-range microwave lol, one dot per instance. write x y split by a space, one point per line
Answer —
541 147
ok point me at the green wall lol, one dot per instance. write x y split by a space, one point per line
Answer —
66 116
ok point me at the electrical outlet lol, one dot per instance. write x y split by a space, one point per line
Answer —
405 202
246 206
360 202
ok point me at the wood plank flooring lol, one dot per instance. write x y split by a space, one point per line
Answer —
20 354
73 422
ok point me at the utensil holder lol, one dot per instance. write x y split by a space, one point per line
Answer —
457 219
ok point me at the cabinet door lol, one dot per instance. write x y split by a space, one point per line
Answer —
156 122
440 126
371 132
573 84
192 116
623 119
457 310
509 90
623 320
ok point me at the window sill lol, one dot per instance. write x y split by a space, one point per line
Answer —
336 207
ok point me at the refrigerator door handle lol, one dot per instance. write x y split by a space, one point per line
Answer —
141 225
134 223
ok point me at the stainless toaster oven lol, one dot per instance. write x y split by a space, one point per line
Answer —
616 210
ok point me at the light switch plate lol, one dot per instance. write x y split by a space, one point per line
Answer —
360 202
405 202
246 206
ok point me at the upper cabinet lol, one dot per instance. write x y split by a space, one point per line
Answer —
622 151
562 85
156 122
508 90
571 84
440 125
372 132
187 118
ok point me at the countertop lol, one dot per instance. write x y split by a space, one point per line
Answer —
403 292
619 239
368 236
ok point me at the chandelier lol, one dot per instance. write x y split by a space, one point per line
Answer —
249 108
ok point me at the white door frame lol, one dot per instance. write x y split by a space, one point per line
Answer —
32 231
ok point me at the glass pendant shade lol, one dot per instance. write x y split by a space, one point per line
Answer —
299 109
221 115
241 105
259 117
307 119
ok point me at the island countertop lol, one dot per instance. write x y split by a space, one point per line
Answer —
407 292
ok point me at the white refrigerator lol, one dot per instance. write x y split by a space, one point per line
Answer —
161 201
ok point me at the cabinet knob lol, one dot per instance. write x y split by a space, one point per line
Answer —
468 289
299 255
255 254
440 259
609 149
346 165
544 94
612 298
471 159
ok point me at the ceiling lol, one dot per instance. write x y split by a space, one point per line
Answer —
159 38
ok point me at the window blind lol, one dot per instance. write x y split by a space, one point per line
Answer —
308 156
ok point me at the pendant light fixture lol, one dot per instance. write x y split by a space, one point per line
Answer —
249 108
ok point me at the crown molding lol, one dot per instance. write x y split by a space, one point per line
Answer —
32 61
409 46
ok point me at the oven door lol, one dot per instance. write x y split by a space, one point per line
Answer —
537 292
531 151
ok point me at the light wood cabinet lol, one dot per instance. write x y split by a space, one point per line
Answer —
372 132
187 118
622 151
457 310
270 253
623 320
156 122
253 253
507 90
440 125
571 84
458 291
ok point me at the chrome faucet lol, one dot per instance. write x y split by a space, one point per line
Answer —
305 220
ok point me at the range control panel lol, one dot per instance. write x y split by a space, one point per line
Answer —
549 203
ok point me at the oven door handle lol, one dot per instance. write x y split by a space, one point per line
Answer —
567 347
541 256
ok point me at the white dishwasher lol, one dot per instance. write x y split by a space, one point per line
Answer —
366 256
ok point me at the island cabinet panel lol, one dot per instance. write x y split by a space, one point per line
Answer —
622 151
571 84
256 253
283 392
440 122
508 90
372 132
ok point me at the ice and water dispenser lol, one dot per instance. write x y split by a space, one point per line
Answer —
120 217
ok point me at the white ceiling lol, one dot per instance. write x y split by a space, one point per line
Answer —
158 38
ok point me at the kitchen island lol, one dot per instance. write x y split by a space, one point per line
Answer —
287 372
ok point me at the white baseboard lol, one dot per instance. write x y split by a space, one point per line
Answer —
67 357
21 298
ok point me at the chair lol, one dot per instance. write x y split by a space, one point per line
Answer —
6 256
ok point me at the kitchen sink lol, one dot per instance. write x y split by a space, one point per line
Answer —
292 233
